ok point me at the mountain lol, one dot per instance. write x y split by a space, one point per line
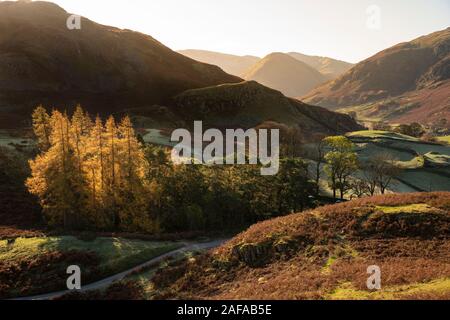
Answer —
330 68
407 82
231 64
238 65
286 74
250 104
325 253
113 71
104 68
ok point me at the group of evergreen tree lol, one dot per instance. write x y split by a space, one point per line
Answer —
89 173
197 197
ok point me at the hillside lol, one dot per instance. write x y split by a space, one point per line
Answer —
101 67
407 82
249 104
324 254
330 68
286 74
231 64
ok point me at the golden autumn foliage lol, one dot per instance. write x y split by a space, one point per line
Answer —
90 174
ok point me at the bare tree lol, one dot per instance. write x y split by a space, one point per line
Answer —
319 157
359 188
380 172
370 176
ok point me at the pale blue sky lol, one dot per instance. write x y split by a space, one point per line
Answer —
334 28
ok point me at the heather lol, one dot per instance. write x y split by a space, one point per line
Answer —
324 253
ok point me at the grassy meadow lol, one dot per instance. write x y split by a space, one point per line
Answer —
37 265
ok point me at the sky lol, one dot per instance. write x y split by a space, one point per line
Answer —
349 30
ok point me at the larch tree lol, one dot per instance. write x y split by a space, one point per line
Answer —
94 172
54 179
42 127
133 185
91 173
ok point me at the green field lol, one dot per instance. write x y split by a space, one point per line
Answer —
426 166
155 136
10 140
347 291
38 265
377 134
115 254
445 139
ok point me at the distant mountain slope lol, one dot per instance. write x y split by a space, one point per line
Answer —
249 104
409 81
330 68
104 68
231 64
286 74
238 65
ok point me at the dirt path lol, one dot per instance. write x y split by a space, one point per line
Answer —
188 246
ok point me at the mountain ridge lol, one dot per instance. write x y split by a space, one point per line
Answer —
329 67
285 73
239 64
407 74
113 71
230 63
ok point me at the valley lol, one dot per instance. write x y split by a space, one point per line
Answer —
358 173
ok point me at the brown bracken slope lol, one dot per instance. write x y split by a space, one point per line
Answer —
324 254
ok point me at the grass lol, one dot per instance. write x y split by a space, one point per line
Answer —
437 160
377 134
156 137
418 160
435 287
38 265
419 147
445 139
366 151
7 139
427 179
414 163
327 267
410 208
115 254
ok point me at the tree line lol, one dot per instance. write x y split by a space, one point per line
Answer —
91 174
99 175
